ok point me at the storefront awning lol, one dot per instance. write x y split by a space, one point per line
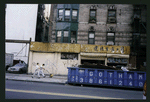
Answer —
93 54
117 56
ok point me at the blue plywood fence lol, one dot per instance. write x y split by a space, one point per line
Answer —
105 77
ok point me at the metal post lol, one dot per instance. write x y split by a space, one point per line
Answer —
28 54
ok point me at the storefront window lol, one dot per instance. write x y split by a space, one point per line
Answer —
72 56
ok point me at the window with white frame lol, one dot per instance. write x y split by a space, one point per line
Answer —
67 15
110 38
111 14
60 14
66 35
91 38
92 16
59 33
74 15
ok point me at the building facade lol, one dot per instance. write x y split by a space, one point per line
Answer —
65 23
58 56
102 24
43 23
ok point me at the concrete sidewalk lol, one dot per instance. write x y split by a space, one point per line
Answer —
25 77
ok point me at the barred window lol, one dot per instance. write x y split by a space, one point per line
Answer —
59 33
67 15
92 16
60 15
74 15
91 38
65 38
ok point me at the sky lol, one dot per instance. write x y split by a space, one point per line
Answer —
20 24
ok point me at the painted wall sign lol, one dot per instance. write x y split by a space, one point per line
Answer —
133 79
77 48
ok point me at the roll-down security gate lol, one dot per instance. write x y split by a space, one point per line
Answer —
105 77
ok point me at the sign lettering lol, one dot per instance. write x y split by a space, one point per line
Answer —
95 48
130 76
120 75
120 83
72 78
81 80
140 77
100 74
91 73
76 78
90 80
110 74
110 82
130 83
100 81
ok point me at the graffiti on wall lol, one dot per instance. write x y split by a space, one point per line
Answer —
70 63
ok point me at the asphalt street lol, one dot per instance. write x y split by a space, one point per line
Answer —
33 90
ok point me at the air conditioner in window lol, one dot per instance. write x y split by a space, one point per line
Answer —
111 19
73 41
59 19
110 43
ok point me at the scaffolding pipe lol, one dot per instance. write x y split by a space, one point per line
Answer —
21 49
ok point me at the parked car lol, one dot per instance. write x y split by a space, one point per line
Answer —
144 90
20 67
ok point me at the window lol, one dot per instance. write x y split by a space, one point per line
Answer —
65 39
112 14
137 12
60 15
67 15
92 16
110 38
91 38
74 15
73 56
59 33
73 36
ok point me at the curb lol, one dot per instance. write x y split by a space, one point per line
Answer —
37 81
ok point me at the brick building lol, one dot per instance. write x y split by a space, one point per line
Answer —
102 24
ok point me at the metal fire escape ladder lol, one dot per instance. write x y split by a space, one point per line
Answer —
143 26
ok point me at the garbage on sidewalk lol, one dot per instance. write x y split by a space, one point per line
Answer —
124 68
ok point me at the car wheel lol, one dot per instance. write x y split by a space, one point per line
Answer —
21 71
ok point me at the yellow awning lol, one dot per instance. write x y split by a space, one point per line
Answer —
117 56
92 58
93 54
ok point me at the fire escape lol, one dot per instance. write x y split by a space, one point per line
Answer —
139 27
40 23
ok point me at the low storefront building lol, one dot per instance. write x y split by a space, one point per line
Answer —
58 56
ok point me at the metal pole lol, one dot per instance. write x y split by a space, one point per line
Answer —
28 55
21 49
